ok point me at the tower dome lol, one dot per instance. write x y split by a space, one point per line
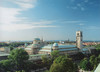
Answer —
55 44
25 44
37 39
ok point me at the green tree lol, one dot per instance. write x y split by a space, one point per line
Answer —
92 60
46 71
11 48
85 64
20 71
99 58
0 67
46 61
97 49
80 55
95 61
63 64
19 57
55 54
56 68
5 65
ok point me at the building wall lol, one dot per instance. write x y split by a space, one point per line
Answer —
44 52
29 52
71 52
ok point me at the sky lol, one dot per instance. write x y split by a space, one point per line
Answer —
49 19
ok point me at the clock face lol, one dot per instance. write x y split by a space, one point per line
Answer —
77 34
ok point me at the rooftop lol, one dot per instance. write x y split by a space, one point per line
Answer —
66 46
68 49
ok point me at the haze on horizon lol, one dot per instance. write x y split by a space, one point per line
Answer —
50 19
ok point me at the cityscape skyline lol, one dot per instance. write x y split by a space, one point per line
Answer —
52 20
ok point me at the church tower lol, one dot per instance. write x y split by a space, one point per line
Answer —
79 40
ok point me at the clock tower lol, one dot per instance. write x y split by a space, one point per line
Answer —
79 40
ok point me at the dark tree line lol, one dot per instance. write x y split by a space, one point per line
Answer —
13 44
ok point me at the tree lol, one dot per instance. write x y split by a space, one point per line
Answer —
1 67
92 60
63 64
98 59
55 54
85 64
78 56
11 48
5 65
97 49
56 68
46 62
20 71
19 57
46 71
44 59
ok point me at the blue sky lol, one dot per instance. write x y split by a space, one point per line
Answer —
50 19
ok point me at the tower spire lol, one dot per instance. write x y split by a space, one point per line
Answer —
42 39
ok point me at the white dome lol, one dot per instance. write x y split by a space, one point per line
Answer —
38 39
25 44
55 44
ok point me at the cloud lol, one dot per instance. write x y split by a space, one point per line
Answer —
74 22
93 27
18 27
81 24
25 4
78 5
82 8
23 24
72 0
10 19
43 22
74 8
86 1
8 15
